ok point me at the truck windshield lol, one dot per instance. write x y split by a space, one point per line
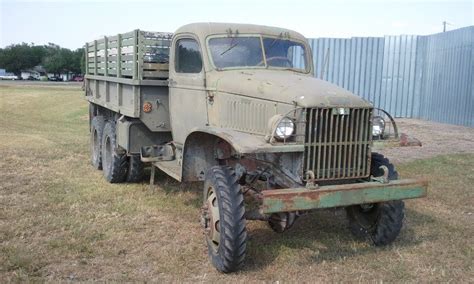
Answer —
247 52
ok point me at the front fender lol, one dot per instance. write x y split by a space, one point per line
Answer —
246 143
205 147
392 138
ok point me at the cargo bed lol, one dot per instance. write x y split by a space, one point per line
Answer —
121 68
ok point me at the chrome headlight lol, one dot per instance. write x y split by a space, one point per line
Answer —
284 129
378 126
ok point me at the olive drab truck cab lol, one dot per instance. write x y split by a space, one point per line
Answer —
237 106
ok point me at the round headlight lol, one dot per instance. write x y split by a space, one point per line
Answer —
378 126
285 128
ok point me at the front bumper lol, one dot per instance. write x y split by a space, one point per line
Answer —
301 199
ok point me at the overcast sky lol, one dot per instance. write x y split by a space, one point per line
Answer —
70 23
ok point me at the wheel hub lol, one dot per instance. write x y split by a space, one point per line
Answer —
367 215
211 218
280 222
366 207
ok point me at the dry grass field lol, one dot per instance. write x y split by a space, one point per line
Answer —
60 221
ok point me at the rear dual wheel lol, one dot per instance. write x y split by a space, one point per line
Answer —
114 163
135 169
104 155
97 127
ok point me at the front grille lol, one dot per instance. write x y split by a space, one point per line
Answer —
337 146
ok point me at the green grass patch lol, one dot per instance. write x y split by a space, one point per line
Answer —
60 220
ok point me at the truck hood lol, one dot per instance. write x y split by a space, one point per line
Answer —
284 87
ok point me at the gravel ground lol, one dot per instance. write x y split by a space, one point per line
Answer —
437 139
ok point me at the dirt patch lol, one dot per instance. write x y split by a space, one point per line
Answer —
437 139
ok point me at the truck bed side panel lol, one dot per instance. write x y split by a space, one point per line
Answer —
121 98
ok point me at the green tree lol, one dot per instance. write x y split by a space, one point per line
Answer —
76 64
18 57
58 60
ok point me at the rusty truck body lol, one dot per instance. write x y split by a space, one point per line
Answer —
237 106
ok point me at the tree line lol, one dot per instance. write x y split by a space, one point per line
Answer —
16 58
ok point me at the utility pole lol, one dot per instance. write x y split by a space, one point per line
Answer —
445 23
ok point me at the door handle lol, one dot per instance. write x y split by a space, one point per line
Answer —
210 97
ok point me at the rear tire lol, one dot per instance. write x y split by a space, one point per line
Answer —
135 169
97 128
223 219
380 222
114 164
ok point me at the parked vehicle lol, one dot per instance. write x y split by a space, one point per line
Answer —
77 78
237 107
8 77
55 79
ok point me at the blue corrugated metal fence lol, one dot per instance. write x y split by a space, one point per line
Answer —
428 77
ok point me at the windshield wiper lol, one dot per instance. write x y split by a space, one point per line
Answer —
228 49
273 43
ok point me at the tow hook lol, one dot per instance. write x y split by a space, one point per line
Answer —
384 177
310 184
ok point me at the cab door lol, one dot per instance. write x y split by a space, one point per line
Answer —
188 107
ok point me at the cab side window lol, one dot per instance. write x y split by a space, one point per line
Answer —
187 56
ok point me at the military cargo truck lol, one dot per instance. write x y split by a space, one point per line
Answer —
238 107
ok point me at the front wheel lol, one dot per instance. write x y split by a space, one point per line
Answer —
281 222
380 222
223 219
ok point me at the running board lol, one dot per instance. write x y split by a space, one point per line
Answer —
170 168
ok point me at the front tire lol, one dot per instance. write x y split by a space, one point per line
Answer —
281 222
223 219
380 222
114 164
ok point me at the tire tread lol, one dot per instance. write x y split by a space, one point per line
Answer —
231 253
135 169
391 213
117 170
97 124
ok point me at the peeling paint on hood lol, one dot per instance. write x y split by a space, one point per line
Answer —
284 87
